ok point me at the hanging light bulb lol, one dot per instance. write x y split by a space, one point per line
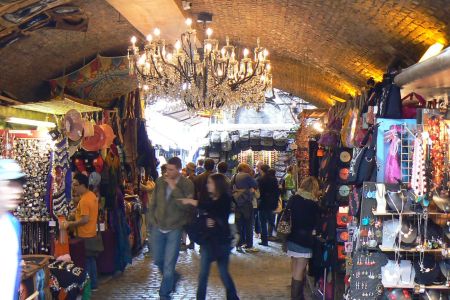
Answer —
209 32
133 40
157 32
246 52
149 38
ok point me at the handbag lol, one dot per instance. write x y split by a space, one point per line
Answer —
410 104
284 227
363 164
197 230
390 104
94 245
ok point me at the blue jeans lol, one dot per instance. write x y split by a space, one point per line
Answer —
166 248
257 221
207 257
267 221
91 268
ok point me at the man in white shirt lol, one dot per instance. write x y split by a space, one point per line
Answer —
10 195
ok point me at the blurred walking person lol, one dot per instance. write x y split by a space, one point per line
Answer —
10 253
168 216
244 187
217 237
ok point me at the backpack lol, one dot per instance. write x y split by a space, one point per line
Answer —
243 199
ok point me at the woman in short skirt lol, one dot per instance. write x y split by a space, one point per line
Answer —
305 213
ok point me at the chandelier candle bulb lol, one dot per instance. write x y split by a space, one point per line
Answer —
157 32
209 32
189 22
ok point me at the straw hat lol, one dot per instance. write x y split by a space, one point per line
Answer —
88 128
109 135
95 142
73 125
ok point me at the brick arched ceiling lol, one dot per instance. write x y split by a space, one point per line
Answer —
318 47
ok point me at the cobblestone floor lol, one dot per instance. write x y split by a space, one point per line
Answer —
263 275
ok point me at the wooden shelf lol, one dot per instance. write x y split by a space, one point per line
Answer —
408 286
413 250
407 213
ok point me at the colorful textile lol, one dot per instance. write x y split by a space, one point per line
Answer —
103 78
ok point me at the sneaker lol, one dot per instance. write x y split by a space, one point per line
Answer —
251 250
240 249
264 244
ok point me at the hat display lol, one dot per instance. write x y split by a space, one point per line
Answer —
88 128
442 201
73 125
434 295
397 294
73 147
95 142
109 135
445 268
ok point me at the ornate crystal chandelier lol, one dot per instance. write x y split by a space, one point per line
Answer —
205 79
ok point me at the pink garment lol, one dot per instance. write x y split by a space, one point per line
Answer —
392 171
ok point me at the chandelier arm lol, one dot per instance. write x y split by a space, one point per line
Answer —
245 79
140 73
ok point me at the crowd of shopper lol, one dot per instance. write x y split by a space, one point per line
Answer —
196 202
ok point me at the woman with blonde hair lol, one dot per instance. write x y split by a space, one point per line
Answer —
305 214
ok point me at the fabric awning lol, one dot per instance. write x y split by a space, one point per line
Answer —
58 106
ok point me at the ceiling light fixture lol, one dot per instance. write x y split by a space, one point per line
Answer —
208 78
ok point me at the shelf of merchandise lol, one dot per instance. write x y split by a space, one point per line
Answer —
409 286
378 214
386 249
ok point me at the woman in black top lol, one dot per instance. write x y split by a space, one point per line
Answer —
304 215
217 238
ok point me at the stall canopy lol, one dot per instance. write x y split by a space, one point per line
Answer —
58 106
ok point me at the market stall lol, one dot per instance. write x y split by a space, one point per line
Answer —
383 165
76 137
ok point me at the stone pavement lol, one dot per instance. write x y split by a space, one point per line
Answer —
263 275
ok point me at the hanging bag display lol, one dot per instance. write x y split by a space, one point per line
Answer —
410 104
225 141
255 137
266 138
390 103
363 164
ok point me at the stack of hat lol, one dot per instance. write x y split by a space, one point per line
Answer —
81 131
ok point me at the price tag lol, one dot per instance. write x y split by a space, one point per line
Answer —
52 223
102 226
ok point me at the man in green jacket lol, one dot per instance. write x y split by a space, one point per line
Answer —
168 216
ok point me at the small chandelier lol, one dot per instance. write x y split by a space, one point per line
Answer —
205 79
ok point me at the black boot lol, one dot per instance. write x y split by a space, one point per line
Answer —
297 289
